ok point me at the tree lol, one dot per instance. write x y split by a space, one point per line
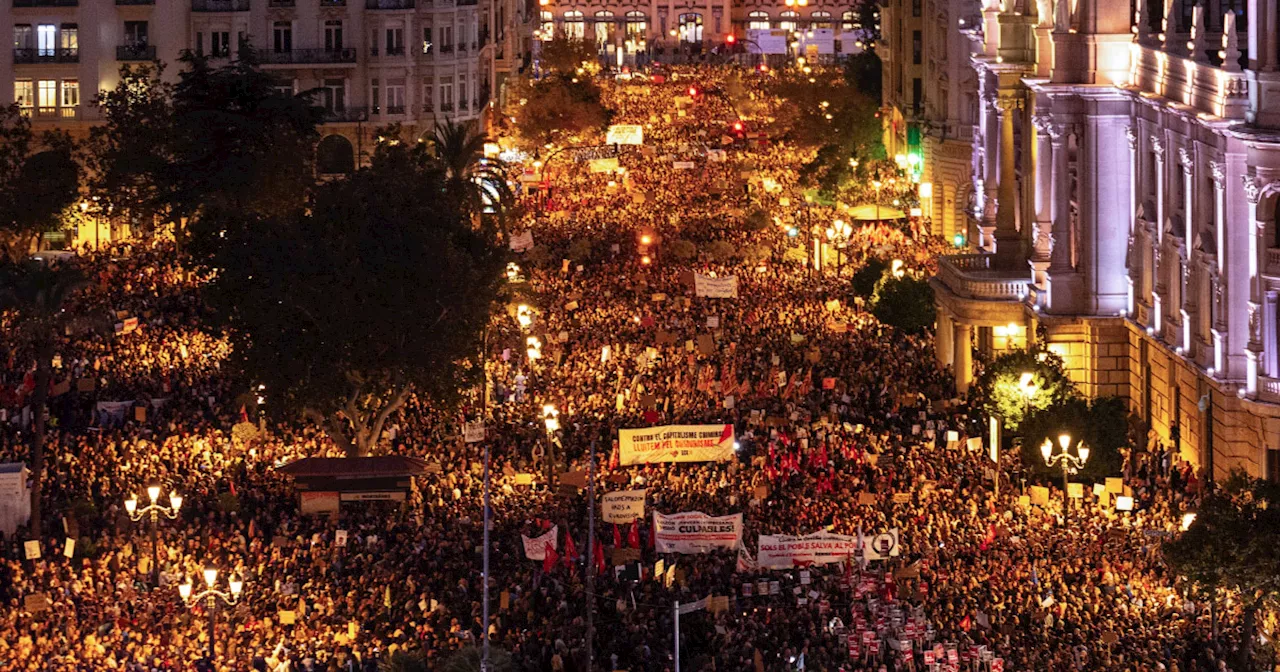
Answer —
131 151
905 303
1003 395
558 106
1233 548
475 180
565 55
721 251
864 281
239 144
1102 425
39 180
682 250
863 72
381 289
37 292
468 659
404 661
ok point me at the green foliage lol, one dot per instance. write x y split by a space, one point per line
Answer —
130 153
558 106
83 509
538 255
1001 393
797 255
682 250
721 251
468 660
470 177
39 180
1233 546
565 55
580 250
1101 425
757 220
404 661
228 503
863 72
866 278
381 288
834 117
905 303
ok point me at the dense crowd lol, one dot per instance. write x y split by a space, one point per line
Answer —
841 424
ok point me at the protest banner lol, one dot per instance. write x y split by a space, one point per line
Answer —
474 432
603 165
675 443
536 548
623 506
625 134
883 545
521 241
784 551
696 532
724 287
31 549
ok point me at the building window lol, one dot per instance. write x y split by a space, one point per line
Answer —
604 28
548 26
1273 465
395 40
135 33
282 35
24 93
446 37
220 43
46 39
820 20
428 97
333 95
848 22
70 93
917 94
333 35
46 95
286 88
915 7
574 27
691 28
70 41
22 36
917 47
758 21
395 97
426 39
637 27
374 96
790 21
446 96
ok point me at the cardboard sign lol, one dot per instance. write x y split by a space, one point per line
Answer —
32 549
706 344
1115 486
867 499
35 603
69 548
340 538
1039 495
504 601
288 617
1075 490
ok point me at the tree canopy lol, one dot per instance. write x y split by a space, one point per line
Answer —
564 54
1001 391
1100 424
558 107
39 181
905 303
381 288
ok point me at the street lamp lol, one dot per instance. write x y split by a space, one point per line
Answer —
1069 462
877 184
211 596
1029 387
551 419
839 233
154 510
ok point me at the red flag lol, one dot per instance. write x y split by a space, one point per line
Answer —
633 537
549 562
613 457
617 536
598 556
570 550
991 537
651 537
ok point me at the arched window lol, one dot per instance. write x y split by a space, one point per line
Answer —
848 22
820 19
335 156
548 25
758 21
691 28
790 21
637 28
574 26
605 29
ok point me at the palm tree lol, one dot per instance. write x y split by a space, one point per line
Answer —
475 180
35 291
468 660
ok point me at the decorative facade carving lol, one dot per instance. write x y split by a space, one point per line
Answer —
1157 148
1131 137
1251 190
1184 158
1219 176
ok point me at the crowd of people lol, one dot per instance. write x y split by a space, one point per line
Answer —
841 424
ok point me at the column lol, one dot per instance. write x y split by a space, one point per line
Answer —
963 357
1254 349
1008 241
990 170
1217 285
1269 334
1188 226
1157 149
1043 166
1060 249
942 344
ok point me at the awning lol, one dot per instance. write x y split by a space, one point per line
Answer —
872 212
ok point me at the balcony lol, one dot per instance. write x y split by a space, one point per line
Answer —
462 46
333 3
1272 267
307 56
1202 86
135 52
970 276
390 51
65 55
279 3
446 49
46 3
219 5
446 107
395 109
348 114
49 113
135 2
388 4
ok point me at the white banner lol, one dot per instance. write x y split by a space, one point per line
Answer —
784 551
603 165
522 241
690 607
766 41
625 134
676 443
623 506
725 287
474 432
536 548
881 546
696 532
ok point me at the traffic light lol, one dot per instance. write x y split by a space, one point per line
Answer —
958 239
730 39
693 92
737 127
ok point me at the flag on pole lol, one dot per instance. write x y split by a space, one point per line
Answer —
597 555
549 561
633 536
617 537
570 549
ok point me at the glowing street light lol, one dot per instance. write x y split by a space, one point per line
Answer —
154 510
211 596
1068 461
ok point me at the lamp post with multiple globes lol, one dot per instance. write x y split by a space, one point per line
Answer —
211 596
154 510
1068 461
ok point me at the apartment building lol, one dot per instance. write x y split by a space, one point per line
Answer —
372 62
1126 173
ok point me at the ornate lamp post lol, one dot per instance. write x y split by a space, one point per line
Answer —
154 510
1069 462
211 596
